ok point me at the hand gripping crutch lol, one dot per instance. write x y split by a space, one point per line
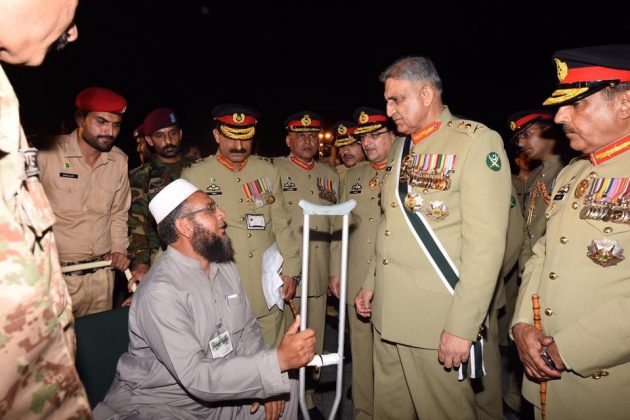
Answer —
342 209
96 264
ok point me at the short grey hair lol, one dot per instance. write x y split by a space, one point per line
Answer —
610 92
415 69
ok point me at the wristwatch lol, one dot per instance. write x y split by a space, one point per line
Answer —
297 279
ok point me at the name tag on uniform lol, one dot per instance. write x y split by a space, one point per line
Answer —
221 345
68 175
255 221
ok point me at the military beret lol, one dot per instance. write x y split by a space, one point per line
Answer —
343 133
369 119
304 121
99 99
237 122
158 119
584 71
522 120
139 131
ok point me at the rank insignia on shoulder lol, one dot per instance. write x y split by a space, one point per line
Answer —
356 189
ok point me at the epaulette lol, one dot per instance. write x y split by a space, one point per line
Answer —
471 128
263 158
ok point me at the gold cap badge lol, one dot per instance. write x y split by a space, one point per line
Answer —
342 129
363 117
238 117
562 69
306 120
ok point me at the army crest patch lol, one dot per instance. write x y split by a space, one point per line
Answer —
356 189
493 161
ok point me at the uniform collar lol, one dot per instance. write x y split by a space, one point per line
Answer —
71 148
229 165
379 166
299 162
431 128
610 151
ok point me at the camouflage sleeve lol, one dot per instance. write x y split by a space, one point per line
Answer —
139 250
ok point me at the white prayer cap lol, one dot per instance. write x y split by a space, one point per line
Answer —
170 197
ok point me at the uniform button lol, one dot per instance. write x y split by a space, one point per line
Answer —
592 175
373 198
315 228
242 219
238 179
380 184
596 375
385 262
240 200
316 246
369 261
312 192
290 202
574 205
394 205
564 240
608 229
251 255
369 241
425 191
388 232
553 276
309 176
371 219
548 311
553 206
249 235
605 373
546 216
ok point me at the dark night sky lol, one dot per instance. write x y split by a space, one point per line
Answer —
284 56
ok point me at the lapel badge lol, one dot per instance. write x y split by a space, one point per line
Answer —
437 210
605 252
581 188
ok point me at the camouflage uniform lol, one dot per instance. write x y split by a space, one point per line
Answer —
37 342
146 182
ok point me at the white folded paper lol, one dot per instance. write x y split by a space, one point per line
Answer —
271 281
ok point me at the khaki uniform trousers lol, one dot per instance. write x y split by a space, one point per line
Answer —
487 389
91 293
272 326
361 339
411 383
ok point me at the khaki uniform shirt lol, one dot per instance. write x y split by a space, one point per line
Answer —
411 305
584 305
252 229
90 203
537 190
319 185
37 342
361 183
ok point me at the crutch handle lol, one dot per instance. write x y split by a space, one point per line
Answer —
340 209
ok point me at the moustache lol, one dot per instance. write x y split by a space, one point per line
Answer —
237 151
109 138
567 129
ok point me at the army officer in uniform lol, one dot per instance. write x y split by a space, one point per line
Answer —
248 189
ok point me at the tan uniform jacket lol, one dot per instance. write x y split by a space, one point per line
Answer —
411 305
364 221
226 189
546 173
90 203
584 305
37 341
301 184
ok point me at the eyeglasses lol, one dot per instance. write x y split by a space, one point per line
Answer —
212 209
372 136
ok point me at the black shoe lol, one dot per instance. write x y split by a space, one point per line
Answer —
315 414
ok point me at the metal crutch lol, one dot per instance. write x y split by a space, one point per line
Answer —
342 209
96 264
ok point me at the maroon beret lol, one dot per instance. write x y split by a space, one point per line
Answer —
159 119
99 99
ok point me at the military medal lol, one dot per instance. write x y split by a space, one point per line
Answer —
373 183
607 200
413 201
437 210
428 171
327 190
605 252
581 188
258 192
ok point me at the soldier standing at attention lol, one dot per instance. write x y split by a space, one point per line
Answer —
162 132
304 178
86 180
37 347
439 249
578 268
248 189
363 184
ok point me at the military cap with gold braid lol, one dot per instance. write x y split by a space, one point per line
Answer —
584 71
369 119
522 120
343 133
236 122
304 121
